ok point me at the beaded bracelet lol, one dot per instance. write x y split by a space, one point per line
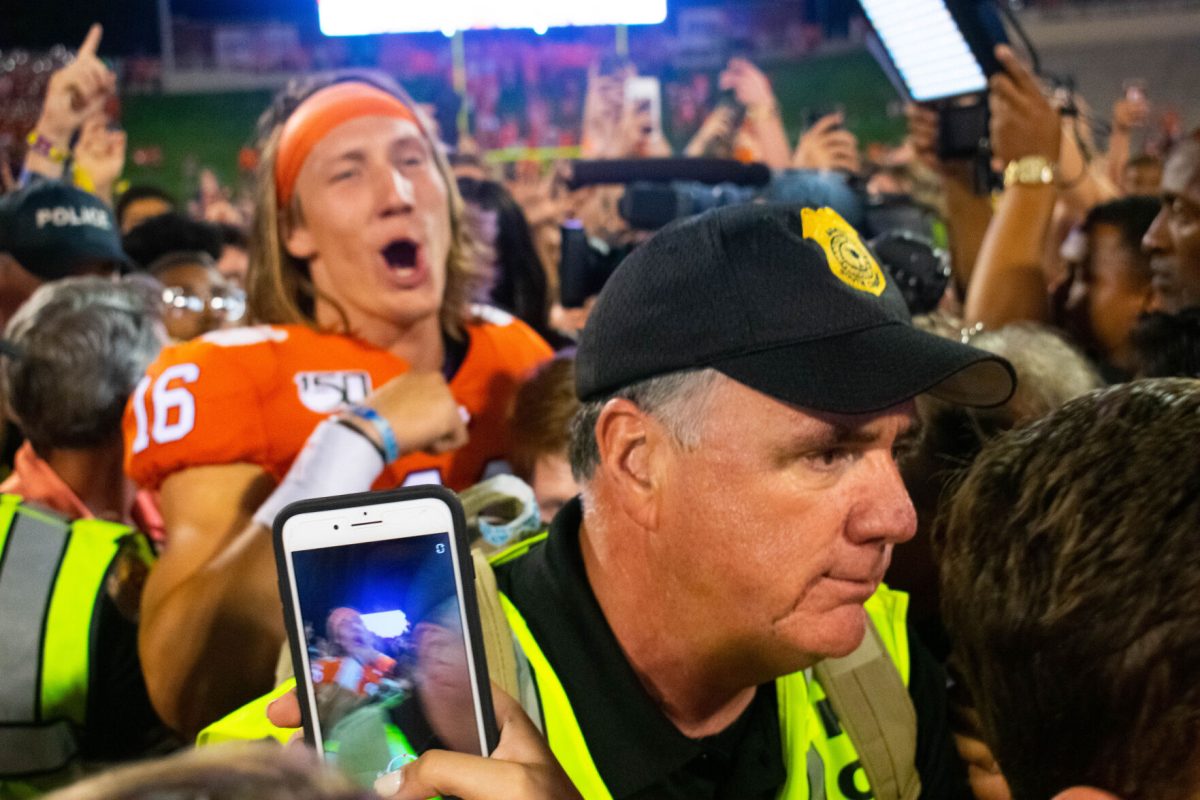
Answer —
39 144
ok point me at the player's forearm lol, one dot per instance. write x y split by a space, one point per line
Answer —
210 642
1007 285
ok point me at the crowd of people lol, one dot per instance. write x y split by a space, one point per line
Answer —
880 483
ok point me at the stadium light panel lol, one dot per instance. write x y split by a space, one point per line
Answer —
362 17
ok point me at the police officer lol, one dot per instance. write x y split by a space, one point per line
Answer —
690 621
72 696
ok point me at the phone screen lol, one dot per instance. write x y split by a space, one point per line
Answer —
644 98
927 48
387 652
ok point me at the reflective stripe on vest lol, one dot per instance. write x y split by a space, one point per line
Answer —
819 757
50 575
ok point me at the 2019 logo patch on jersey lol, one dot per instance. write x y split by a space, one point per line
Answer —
848 257
326 392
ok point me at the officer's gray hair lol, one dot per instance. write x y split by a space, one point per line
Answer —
81 345
677 400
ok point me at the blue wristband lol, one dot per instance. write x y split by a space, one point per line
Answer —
391 448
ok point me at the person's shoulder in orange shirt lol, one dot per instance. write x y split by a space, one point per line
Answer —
253 395
244 395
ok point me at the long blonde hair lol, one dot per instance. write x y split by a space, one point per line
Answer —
279 286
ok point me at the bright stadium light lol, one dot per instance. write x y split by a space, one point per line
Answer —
362 17
386 624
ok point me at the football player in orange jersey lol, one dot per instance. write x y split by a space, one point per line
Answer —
369 369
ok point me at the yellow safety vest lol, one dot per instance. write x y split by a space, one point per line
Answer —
51 572
814 750
822 762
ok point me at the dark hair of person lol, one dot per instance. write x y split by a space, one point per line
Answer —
1167 345
233 235
542 413
520 279
1069 585
170 233
137 192
1132 216
1143 160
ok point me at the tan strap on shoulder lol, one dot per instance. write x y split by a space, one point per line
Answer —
874 708
497 636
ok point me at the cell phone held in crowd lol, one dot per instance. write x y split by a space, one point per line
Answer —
643 97
1135 90
379 598
721 145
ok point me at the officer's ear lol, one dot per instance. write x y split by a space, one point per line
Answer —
630 444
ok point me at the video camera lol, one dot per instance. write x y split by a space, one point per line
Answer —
658 191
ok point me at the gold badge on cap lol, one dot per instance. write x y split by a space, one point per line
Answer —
848 257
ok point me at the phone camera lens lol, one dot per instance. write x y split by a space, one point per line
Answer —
335 527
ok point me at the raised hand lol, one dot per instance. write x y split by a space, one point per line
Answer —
1024 122
827 145
100 154
77 92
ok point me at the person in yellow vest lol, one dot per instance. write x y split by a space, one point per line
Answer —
745 376
72 563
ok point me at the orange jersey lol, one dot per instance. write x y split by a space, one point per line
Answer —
362 679
253 395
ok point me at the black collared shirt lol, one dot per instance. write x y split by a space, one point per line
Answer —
639 753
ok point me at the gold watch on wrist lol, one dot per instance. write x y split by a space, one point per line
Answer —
1030 171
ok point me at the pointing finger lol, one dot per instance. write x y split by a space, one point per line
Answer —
91 42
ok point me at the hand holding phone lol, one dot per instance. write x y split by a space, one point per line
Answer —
827 145
1133 109
384 629
522 759
642 118
1023 121
749 85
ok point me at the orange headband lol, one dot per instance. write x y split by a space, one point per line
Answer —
320 113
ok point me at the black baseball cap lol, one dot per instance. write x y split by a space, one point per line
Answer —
54 230
785 300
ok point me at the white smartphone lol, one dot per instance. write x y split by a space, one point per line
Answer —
379 597
643 96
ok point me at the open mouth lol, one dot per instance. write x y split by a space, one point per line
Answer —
401 254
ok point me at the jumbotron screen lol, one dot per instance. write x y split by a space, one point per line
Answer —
360 17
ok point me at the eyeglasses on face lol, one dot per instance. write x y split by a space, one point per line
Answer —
227 303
